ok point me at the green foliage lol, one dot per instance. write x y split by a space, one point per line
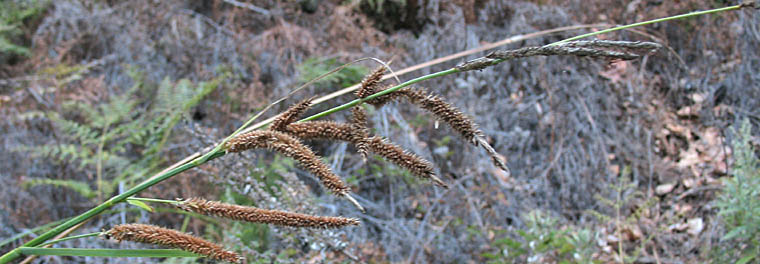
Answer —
313 68
377 5
382 168
626 199
121 138
543 241
80 187
739 204
13 14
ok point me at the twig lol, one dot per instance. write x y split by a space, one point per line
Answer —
698 189
248 6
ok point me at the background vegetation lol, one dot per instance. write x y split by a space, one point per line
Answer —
625 162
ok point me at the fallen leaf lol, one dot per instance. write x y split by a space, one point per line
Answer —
632 233
687 111
689 157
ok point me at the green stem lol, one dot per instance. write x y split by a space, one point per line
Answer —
384 92
95 252
102 207
218 151
152 200
69 238
698 13
34 230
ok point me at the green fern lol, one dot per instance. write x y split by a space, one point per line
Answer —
77 186
12 16
314 67
738 204
136 123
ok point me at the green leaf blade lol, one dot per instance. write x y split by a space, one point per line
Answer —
96 252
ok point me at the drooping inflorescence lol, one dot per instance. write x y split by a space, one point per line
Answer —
258 215
329 130
151 234
291 115
370 82
291 147
463 124
359 130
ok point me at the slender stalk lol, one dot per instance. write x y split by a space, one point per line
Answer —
69 238
384 92
102 207
697 13
152 200
34 230
218 152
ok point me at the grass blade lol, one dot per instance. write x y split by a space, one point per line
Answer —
95 252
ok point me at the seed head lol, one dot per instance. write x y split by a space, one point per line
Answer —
257 215
151 234
360 130
370 83
291 115
415 164
291 147
444 111
329 130
321 130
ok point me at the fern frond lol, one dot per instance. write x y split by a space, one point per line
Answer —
80 187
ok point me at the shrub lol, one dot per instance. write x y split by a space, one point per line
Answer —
739 205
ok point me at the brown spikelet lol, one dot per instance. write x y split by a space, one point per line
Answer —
329 130
257 215
415 164
455 118
444 111
291 115
360 130
291 147
151 234
370 83
384 99
345 132
460 122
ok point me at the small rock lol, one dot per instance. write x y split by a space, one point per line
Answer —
663 189
695 226
611 239
689 183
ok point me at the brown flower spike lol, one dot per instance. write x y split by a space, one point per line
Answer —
257 215
360 130
291 147
151 234
415 164
346 132
370 83
460 122
291 115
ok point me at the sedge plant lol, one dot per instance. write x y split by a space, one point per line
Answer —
187 246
